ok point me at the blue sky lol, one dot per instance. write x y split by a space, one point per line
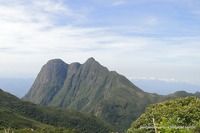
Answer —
138 39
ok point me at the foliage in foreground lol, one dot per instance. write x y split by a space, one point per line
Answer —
173 116
43 130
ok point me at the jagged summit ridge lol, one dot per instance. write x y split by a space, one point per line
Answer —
92 88
91 59
54 75
88 87
92 62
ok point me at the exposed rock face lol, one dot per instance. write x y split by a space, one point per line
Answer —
90 88
48 82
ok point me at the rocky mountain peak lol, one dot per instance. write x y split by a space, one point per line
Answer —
88 87
55 61
92 88
91 59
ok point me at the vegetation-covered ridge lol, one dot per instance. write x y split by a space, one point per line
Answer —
92 88
89 88
22 116
172 116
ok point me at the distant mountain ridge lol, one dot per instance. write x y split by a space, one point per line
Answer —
163 87
91 88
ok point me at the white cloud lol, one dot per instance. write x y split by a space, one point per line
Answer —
118 2
30 35
32 31
154 78
27 27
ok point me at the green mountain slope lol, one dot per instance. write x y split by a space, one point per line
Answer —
91 88
18 114
179 115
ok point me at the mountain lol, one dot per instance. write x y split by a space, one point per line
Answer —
18 114
48 82
170 116
91 88
163 87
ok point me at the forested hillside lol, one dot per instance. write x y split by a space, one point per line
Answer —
17 114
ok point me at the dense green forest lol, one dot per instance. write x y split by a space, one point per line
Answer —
173 116
17 114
